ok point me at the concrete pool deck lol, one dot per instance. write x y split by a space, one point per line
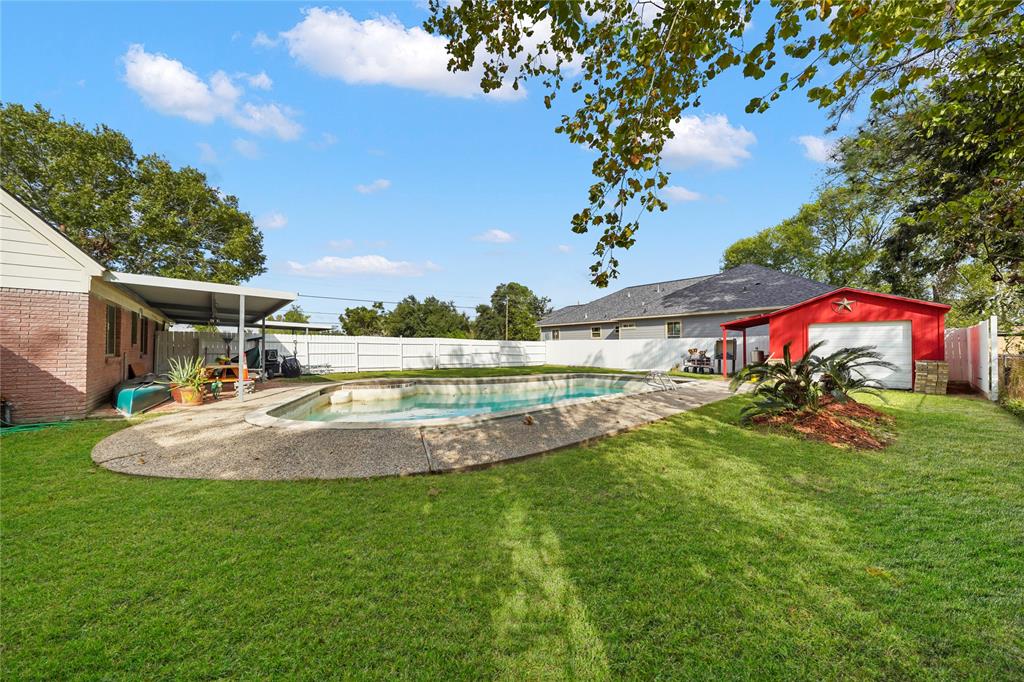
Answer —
215 441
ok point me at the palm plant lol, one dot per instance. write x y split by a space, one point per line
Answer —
800 385
186 372
842 372
780 386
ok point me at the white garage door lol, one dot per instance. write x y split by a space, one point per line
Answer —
891 339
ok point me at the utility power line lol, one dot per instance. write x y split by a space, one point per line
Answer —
368 300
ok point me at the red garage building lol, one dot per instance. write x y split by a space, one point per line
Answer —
903 330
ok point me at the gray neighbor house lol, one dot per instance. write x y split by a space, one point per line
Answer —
691 308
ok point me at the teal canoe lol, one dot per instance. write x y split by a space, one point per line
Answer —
135 396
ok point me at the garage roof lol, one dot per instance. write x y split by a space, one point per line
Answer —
758 320
193 302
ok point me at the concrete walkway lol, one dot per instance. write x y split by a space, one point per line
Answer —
215 442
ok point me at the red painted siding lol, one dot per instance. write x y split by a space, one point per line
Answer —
927 321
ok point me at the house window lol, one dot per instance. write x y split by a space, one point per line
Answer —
135 329
628 325
144 339
112 331
674 329
555 334
595 332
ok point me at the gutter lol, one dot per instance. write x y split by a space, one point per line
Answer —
730 311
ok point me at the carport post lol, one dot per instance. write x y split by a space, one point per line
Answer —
240 383
725 353
744 348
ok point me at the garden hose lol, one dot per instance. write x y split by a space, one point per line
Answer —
22 428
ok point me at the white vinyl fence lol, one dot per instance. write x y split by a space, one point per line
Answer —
641 354
319 354
972 354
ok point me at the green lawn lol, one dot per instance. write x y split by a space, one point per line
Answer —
487 372
689 549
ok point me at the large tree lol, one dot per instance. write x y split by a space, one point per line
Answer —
294 314
429 317
834 239
131 213
512 314
364 321
636 66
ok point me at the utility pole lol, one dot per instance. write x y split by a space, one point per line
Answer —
506 317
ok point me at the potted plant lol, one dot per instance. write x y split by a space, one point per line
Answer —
187 377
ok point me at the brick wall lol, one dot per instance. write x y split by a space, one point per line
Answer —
54 364
105 371
43 369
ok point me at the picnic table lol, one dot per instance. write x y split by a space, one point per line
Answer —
227 374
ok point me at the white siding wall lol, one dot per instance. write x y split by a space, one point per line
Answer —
28 260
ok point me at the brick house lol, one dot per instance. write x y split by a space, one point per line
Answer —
70 328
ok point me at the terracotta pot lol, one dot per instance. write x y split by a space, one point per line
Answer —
186 395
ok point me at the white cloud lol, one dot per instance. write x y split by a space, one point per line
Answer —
330 266
326 140
260 80
272 221
709 139
376 186
677 193
817 148
494 236
261 39
166 85
341 244
247 148
381 51
207 154
563 248
261 118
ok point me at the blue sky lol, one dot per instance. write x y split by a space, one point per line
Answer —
373 172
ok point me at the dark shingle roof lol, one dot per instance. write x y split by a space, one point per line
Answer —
745 287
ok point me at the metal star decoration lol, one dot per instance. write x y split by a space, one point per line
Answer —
843 304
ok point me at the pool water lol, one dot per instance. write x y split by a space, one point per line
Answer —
427 405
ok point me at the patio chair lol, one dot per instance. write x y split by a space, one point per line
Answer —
253 365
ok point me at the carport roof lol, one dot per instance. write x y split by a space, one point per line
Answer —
193 302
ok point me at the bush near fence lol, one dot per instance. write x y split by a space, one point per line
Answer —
1011 377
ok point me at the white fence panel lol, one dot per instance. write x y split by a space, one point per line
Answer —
418 354
640 354
328 353
972 354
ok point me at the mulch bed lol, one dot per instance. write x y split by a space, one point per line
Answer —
844 425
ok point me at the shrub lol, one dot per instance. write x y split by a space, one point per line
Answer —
187 372
801 385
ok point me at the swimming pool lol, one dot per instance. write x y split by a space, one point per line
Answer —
432 402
